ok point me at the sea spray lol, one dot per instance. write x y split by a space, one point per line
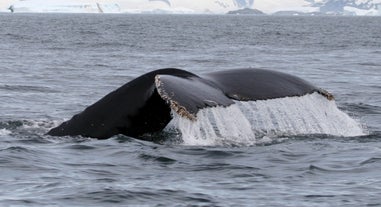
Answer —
241 123
215 126
309 114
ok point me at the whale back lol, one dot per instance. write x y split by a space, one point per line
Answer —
133 109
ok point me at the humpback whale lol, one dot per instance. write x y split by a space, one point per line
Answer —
144 105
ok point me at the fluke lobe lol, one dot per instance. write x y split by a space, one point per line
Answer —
144 104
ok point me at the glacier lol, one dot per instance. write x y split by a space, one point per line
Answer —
331 7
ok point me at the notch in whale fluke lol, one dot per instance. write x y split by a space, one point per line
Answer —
144 104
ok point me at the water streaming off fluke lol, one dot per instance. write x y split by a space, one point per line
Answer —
244 123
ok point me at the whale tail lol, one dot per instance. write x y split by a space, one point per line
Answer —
144 104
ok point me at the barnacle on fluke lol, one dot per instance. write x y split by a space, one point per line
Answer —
181 110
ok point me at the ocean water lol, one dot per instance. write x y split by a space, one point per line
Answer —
274 153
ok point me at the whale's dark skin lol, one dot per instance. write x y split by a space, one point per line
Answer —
144 104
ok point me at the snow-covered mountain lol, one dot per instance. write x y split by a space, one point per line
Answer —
346 7
359 7
126 6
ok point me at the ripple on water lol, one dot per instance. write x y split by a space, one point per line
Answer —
371 160
159 159
148 196
16 149
27 88
80 147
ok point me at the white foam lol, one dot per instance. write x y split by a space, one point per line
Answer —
310 114
4 132
241 123
215 126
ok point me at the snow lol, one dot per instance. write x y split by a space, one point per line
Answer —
361 12
272 6
5 4
122 6
71 6
352 7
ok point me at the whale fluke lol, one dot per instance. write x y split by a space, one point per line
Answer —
144 104
186 95
259 84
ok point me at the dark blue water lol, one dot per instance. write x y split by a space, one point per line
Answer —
53 66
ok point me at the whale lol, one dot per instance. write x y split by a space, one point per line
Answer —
146 104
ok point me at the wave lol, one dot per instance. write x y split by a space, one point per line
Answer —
27 88
4 132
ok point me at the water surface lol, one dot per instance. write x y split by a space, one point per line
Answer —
53 65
